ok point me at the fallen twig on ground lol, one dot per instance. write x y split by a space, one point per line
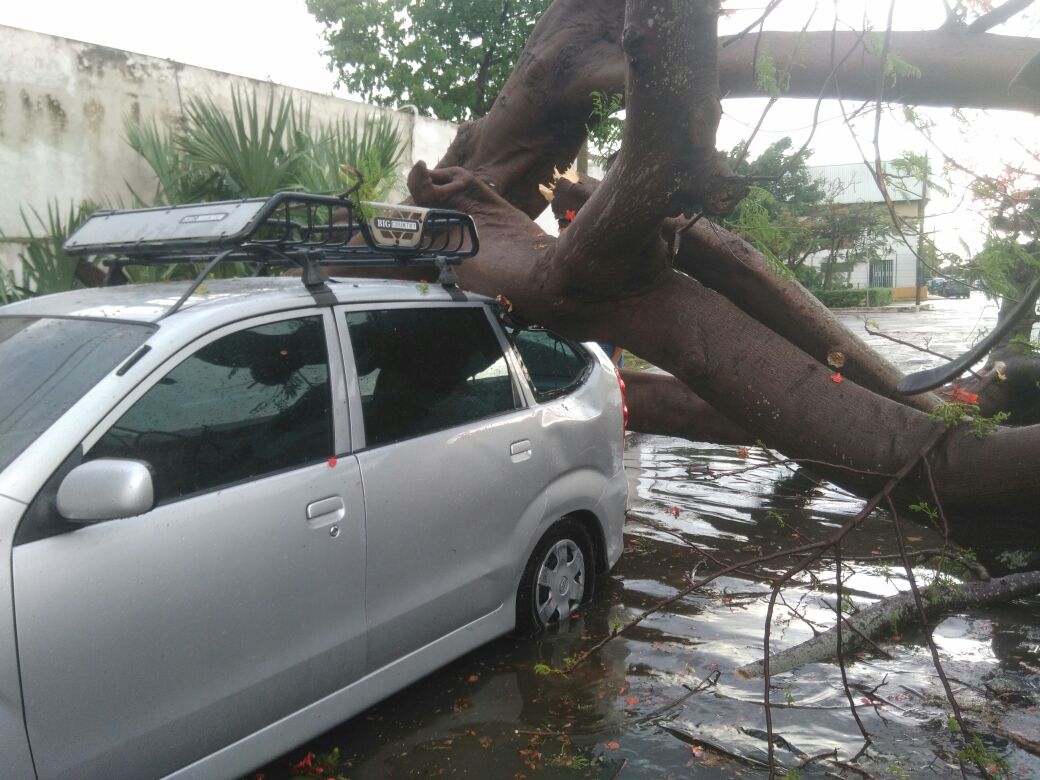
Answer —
872 621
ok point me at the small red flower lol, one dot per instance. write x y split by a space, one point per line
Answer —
837 378
333 462
963 396
675 511
742 452
569 215
306 762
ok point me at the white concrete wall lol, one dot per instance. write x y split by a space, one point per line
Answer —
62 106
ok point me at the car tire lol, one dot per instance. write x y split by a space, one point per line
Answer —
557 579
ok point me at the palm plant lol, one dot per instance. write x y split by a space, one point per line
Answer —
256 150
45 266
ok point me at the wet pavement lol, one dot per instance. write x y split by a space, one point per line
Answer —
662 701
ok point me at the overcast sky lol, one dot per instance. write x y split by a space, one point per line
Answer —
279 40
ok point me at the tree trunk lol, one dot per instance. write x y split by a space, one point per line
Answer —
752 349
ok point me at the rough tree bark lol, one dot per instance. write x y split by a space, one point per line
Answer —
751 347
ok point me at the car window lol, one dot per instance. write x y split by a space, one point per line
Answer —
422 370
251 403
554 364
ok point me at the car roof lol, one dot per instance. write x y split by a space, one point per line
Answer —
235 297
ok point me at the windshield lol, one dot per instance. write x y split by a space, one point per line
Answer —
47 364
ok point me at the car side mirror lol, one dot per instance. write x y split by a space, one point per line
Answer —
106 489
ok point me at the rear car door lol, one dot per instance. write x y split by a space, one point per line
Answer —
148 642
451 468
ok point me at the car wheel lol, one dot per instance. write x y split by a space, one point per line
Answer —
558 577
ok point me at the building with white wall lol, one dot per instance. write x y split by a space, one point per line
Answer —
853 186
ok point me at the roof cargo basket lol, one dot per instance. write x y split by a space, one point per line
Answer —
289 228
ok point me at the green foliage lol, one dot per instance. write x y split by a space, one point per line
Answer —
926 509
769 79
1025 345
607 128
840 299
1002 263
789 216
984 756
570 760
45 267
256 150
910 170
951 414
259 149
754 220
543 670
249 152
879 296
897 68
449 58
954 413
983 426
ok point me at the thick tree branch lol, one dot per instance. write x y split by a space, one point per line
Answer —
999 15
660 403
726 263
957 68
668 162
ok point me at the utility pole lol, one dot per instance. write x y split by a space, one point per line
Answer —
920 234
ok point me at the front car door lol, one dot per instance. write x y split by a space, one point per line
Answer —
149 642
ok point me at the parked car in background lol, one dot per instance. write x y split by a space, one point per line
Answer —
948 288
232 519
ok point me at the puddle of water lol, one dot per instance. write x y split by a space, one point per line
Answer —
631 712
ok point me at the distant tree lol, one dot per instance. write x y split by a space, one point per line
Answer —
1006 267
790 216
449 58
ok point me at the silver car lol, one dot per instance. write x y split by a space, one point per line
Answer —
224 530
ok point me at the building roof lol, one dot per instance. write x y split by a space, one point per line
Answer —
855 183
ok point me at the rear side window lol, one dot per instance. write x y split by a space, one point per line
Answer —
250 403
423 370
554 365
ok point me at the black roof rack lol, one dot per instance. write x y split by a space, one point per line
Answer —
289 228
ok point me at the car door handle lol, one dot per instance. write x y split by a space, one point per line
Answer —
325 511
520 450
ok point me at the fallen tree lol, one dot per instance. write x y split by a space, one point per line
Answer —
638 267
